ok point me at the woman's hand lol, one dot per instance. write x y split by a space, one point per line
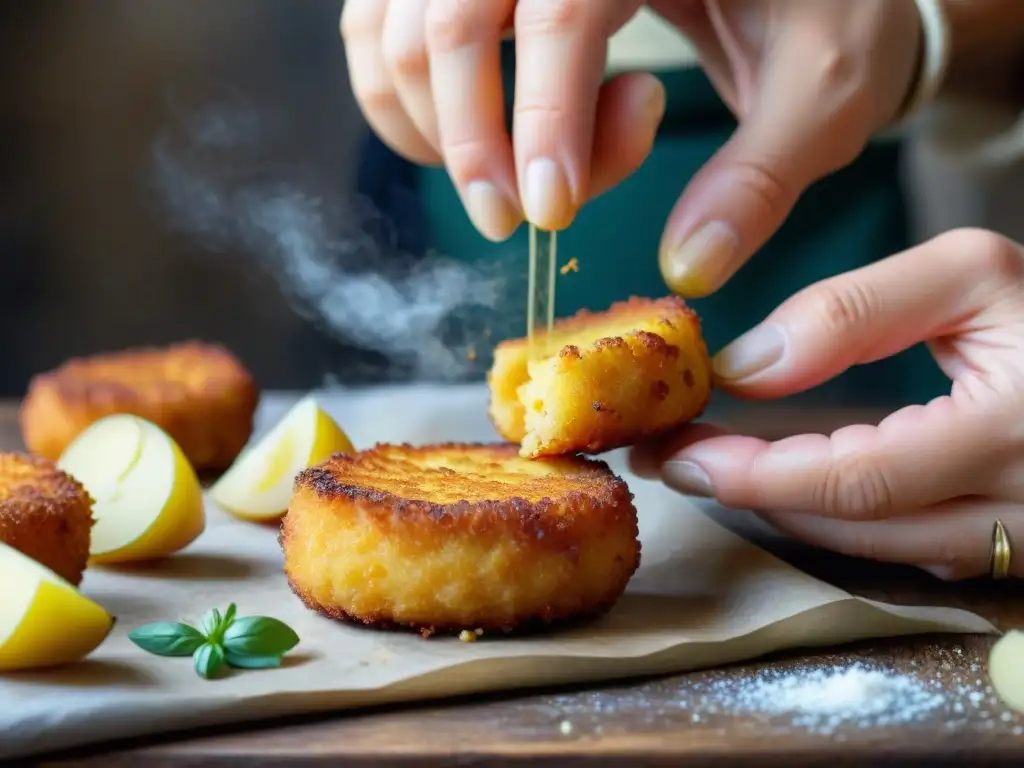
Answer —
926 484
809 82
427 74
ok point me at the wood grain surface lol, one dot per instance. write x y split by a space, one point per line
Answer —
645 722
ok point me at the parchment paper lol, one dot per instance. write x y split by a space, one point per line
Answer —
703 596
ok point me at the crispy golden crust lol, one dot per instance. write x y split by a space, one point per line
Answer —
45 514
602 380
635 312
200 394
444 538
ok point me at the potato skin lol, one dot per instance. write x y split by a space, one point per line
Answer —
45 514
605 380
452 537
199 393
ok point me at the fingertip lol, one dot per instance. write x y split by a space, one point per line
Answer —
655 100
642 461
699 262
721 466
721 452
752 366
493 213
635 96
737 201
398 133
687 435
498 238
547 196
378 100
646 459
630 109
688 478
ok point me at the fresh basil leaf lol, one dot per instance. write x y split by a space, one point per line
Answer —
167 638
240 661
229 615
208 659
259 636
212 625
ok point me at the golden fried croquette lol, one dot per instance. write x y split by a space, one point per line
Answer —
45 514
200 394
459 537
602 380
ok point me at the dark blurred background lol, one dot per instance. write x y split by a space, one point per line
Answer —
104 120
88 260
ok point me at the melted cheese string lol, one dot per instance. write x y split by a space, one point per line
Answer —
541 293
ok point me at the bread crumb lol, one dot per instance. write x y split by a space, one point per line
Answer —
467 637
471 354
572 265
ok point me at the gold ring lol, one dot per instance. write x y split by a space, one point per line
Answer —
1002 552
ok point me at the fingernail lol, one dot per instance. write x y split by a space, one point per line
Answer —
752 353
490 211
687 477
701 262
655 103
546 195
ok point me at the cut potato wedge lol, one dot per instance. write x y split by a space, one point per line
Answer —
44 620
148 500
258 485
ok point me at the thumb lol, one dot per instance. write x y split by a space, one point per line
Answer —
735 203
934 289
804 118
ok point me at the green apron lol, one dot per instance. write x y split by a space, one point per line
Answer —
852 218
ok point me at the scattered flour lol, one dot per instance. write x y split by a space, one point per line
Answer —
827 699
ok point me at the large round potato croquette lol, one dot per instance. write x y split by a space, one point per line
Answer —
45 514
459 537
200 394
602 380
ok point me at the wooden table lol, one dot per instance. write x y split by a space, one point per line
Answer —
646 726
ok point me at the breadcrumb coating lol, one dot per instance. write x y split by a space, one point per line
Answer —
453 537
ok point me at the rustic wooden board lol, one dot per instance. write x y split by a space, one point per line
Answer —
645 725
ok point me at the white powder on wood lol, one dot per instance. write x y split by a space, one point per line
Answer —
824 699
